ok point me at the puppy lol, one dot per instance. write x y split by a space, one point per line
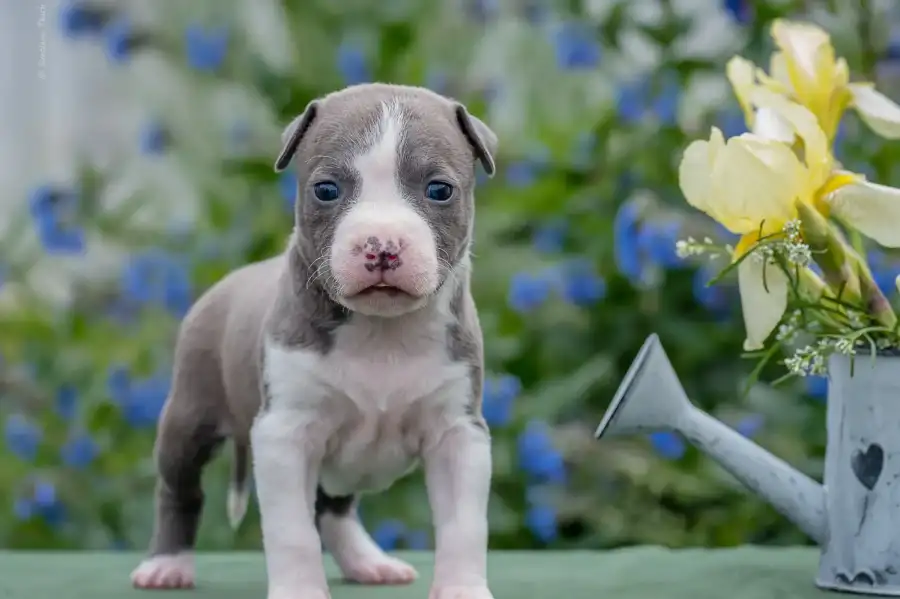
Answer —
346 360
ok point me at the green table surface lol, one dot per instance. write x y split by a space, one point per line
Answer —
639 573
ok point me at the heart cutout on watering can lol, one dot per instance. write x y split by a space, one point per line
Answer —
867 465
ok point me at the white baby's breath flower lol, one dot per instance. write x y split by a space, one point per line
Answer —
786 334
788 330
686 248
792 230
798 253
844 346
683 248
796 250
810 360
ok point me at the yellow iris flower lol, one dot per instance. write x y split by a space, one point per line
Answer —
751 185
805 70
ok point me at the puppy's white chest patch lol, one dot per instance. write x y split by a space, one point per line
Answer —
375 401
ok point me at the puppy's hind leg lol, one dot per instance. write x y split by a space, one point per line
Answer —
357 555
188 436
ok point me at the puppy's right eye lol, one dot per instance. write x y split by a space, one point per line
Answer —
326 191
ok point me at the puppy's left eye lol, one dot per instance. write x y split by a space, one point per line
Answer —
438 191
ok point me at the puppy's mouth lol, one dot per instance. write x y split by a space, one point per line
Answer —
382 289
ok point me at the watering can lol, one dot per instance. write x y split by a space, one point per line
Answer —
854 517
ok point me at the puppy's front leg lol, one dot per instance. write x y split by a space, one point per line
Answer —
287 459
458 475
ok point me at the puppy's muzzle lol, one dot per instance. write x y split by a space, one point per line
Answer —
392 254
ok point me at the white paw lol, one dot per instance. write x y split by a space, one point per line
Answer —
165 572
378 569
460 592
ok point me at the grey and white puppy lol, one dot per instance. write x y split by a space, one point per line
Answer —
346 360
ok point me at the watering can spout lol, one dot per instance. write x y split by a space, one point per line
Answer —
651 398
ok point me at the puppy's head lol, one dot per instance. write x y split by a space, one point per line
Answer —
385 199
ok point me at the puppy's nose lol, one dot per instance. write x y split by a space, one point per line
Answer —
382 261
382 256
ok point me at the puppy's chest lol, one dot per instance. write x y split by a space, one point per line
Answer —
377 404
385 406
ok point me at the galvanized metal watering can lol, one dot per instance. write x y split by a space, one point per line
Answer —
854 516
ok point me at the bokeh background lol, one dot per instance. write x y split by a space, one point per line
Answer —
138 142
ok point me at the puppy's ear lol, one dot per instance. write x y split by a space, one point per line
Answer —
293 135
480 136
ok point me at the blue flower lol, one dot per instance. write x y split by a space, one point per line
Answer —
205 48
46 504
121 39
714 298
576 47
144 401
665 104
418 540
287 185
668 444
549 237
528 291
67 402
58 239
740 10
579 284
498 397
118 383
884 272
656 242
23 509
631 101
525 172
23 437
635 99
388 533
626 226
79 451
537 455
817 387
521 174
44 494
155 138
78 18
157 277
352 64
541 521
732 123
53 212
750 425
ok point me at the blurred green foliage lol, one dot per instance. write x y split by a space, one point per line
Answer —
574 261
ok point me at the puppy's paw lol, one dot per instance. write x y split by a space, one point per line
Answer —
378 569
300 593
164 572
460 592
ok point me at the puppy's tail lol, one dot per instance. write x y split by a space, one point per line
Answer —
238 493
